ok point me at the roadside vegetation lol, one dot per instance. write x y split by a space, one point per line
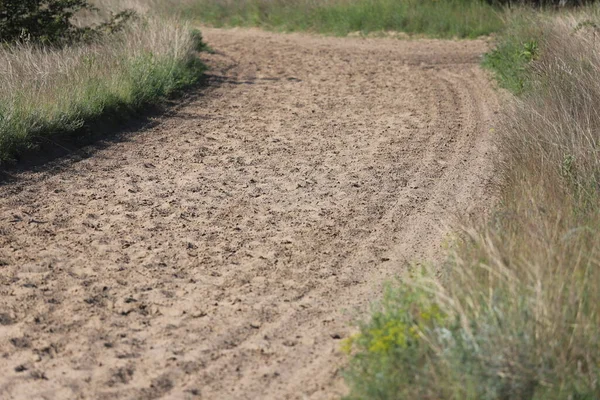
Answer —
516 47
434 18
516 314
65 66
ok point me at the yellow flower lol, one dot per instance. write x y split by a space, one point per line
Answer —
393 334
348 343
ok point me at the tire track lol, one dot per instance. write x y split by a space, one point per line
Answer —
224 250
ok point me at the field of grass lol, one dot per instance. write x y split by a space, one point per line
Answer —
435 18
47 92
517 312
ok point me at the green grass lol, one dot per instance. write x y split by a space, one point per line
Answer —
435 18
517 46
516 314
48 93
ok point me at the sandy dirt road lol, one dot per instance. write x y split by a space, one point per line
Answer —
222 251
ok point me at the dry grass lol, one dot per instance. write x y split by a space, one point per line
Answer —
536 267
517 315
47 91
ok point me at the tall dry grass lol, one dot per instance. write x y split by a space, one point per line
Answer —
45 92
517 314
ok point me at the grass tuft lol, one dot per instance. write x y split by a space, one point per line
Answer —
517 46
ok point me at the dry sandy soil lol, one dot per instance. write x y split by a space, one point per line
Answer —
222 251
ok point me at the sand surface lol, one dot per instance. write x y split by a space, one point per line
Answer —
222 251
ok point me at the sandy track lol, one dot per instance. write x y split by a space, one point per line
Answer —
221 252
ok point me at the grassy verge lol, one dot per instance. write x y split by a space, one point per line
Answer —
45 92
449 18
517 314
518 45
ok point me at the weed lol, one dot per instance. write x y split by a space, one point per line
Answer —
517 47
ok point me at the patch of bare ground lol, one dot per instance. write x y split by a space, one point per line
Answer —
223 252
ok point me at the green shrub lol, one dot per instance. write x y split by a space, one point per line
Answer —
50 21
516 48
391 350
428 342
39 20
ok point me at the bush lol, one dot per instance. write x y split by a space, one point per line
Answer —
50 21
391 352
39 20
